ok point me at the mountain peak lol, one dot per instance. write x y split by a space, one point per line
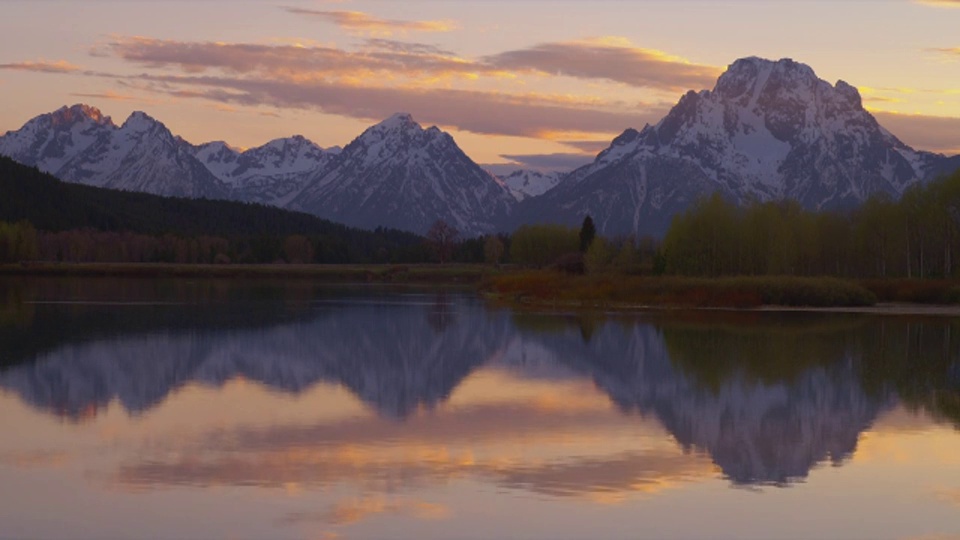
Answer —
751 74
77 113
400 120
139 121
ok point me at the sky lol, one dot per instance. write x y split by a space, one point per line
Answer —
533 83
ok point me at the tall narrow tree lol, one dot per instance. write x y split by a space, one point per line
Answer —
587 233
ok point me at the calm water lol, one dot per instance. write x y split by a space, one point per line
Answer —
191 409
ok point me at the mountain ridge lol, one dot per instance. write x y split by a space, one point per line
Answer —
767 131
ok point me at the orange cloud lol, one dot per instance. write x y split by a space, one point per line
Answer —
950 52
108 95
356 21
609 59
383 57
43 66
385 76
940 3
491 113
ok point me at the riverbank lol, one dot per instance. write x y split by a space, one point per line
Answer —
552 289
352 273
546 289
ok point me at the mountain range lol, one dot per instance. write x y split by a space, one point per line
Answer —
769 130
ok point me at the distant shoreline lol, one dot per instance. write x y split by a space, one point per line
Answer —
339 273
547 289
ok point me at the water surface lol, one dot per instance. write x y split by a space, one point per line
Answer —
206 409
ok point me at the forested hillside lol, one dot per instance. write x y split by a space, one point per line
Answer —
61 221
917 236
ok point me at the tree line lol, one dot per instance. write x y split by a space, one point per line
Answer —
42 218
917 236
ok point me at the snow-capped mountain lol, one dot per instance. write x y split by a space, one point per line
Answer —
274 173
398 174
80 144
51 140
769 130
527 183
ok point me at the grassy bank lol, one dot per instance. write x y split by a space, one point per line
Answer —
547 288
427 273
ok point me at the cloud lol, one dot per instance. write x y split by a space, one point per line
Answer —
951 496
940 3
489 113
613 60
550 162
108 95
43 66
933 133
356 21
406 47
589 147
946 51
384 76
392 58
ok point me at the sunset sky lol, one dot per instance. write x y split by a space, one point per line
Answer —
534 82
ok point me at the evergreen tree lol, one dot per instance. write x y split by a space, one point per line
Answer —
587 233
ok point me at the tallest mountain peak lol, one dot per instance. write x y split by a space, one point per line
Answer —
753 73
78 113
400 120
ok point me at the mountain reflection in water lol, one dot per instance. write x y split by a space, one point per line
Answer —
767 397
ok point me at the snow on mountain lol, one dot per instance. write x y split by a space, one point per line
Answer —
142 155
769 130
50 140
79 144
398 174
274 173
526 183
219 158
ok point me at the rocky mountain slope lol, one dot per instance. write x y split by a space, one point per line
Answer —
398 174
769 130
273 174
79 144
525 183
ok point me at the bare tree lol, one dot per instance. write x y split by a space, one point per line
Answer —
442 237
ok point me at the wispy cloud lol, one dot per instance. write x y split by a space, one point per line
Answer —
588 146
939 3
934 133
43 66
342 82
295 62
612 59
952 52
549 162
108 95
491 113
357 21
